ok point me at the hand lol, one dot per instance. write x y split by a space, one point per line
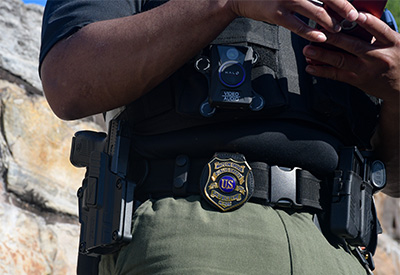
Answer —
374 68
282 12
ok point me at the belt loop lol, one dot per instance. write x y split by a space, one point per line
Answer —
180 175
261 172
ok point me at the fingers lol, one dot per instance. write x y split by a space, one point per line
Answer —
379 29
374 68
283 12
336 59
383 35
326 19
333 73
318 14
343 8
297 26
317 11
339 66
314 11
349 43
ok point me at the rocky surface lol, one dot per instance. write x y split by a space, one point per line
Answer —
38 205
19 40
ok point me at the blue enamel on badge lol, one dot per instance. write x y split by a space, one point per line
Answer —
227 181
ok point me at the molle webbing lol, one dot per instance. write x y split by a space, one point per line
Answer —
263 37
337 107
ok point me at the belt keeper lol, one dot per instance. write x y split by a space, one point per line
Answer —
180 175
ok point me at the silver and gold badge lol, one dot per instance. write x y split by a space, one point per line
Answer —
227 181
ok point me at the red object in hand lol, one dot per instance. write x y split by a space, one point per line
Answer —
374 7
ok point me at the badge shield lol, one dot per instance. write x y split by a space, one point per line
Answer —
227 181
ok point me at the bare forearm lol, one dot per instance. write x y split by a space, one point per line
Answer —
108 64
111 63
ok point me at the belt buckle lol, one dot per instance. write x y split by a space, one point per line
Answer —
227 181
284 187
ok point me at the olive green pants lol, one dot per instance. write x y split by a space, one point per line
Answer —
187 236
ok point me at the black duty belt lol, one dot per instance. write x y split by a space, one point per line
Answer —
228 181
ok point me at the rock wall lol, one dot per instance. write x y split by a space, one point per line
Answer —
38 205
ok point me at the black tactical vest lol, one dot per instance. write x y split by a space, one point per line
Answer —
278 76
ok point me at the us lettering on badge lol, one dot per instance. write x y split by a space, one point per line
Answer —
227 184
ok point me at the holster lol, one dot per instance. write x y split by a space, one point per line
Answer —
106 197
352 214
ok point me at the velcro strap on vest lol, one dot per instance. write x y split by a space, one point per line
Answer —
274 186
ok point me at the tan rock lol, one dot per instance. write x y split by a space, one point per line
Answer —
28 245
387 256
20 27
39 144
